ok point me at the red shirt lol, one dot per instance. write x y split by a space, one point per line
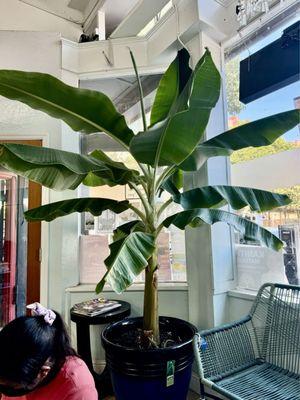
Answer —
73 382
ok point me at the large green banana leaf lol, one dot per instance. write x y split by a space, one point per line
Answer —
83 110
101 156
94 205
60 170
128 258
120 173
237 197
172 140
250 230
256 134
170 86
127 228
173 183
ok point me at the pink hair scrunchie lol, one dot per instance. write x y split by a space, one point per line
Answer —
38 310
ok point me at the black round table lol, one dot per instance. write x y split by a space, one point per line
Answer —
83 322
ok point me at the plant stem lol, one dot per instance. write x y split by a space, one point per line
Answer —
151 321
167 172
164 206
159 229
138 212
144 184
141 95
142 198
143 169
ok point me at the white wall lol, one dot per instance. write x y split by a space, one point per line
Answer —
18 16
38 51
268 172
30 51
239 304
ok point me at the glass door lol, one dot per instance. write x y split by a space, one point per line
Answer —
20 242
8 246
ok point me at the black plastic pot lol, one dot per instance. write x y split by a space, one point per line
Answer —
147 374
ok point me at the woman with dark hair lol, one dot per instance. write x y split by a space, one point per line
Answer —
37 361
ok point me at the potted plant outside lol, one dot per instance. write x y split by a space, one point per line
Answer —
145 363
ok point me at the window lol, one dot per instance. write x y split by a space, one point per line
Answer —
97 232
274 168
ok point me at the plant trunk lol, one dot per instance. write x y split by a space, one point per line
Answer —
151 323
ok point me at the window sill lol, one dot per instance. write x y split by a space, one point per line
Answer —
243 294
137 287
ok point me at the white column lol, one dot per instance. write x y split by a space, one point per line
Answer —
209 249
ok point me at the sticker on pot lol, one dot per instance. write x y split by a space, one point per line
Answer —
170 373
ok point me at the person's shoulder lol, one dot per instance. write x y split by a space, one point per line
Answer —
74 382
75 370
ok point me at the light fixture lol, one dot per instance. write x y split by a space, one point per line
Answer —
247 10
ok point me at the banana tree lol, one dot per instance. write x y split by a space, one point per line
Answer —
173 143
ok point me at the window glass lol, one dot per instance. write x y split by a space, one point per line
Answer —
274 168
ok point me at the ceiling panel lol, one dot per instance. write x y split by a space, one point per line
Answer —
73 10
225 3
79 5
116 11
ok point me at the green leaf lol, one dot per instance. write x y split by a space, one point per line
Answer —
94 205
249 229
127 228
128 258
173 183
101 156
120 174
93 180
83 110
262 132
57 169
236 197
170 86
172 140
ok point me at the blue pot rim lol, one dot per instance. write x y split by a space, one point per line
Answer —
131 321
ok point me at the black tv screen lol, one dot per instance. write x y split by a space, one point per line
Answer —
271 68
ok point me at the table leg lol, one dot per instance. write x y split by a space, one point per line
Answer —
84 344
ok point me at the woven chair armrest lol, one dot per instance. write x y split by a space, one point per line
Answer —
221 351
225 327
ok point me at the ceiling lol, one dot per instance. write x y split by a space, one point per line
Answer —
116 11
225 3
82 12
76 11
79 11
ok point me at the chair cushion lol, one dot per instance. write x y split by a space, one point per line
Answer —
262 382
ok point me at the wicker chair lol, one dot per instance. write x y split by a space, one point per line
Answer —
258 357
